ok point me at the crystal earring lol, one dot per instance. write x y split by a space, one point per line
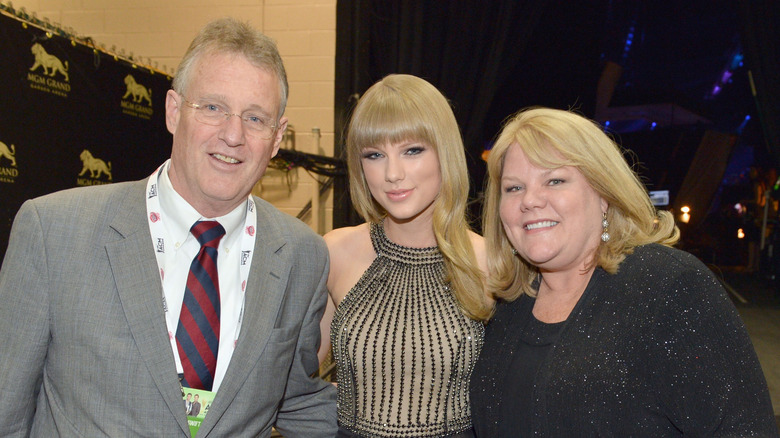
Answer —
605 226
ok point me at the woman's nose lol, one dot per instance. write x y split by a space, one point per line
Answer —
394 171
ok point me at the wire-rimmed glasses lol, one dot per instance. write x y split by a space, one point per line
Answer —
214 114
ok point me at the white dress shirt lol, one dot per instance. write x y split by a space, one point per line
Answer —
181 249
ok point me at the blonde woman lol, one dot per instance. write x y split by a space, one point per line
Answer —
602 328
408 283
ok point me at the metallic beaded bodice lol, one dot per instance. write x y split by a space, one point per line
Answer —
404 350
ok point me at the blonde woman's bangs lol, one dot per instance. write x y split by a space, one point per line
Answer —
542 150
390 121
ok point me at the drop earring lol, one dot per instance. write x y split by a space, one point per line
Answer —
605 226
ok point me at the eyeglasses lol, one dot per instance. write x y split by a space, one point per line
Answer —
215 115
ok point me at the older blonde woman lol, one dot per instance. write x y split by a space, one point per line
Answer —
408 283
602 328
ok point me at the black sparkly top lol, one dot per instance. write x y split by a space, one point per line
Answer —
656 350
404 350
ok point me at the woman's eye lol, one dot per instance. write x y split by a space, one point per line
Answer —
414 150
556 181
371 155
509 189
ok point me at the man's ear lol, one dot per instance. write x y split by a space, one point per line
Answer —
279 135
172 110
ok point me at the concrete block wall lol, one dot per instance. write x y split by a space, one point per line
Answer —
157 33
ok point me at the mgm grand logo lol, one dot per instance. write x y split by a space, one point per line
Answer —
137 101
8 170
53 77
99 170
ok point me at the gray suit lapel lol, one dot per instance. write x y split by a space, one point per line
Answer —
137 279
265 291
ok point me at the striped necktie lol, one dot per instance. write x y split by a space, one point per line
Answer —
197 335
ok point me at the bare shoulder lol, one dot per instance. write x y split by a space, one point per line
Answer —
478 243
480 252
351 253
343 241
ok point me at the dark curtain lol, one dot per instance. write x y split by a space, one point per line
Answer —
492 58
460 47
482 55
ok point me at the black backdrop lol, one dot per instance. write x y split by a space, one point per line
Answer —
108 106
491 58
458 48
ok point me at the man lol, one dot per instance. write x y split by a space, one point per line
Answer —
188 404
106 291
195 407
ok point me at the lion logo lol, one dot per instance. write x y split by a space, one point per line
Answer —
96 166
138 91
9 153
48 62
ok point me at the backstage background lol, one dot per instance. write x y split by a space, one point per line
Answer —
691 90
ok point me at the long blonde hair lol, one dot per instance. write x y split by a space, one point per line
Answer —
404 107
552 138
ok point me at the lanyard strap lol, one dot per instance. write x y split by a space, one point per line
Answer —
156 219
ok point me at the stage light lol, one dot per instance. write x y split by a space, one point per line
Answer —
725 77
715 91
685 217
743 124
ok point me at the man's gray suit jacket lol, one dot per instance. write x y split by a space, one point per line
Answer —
84 349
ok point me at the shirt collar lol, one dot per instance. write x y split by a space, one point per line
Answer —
180 215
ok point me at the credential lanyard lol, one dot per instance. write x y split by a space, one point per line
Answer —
157 230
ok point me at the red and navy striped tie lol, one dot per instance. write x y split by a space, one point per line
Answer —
197 335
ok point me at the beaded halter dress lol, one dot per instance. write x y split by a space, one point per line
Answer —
404 350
